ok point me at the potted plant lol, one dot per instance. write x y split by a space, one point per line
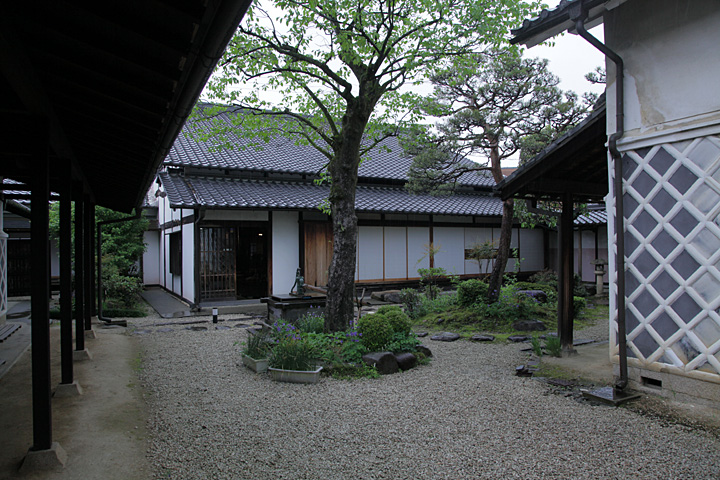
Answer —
255 352
293 360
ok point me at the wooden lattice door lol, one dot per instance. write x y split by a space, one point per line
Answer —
217 262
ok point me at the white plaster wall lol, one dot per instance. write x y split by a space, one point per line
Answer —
370 253
395 249
531 249
474 236
451 244
418 239
285 251
672 64
188 261
151 258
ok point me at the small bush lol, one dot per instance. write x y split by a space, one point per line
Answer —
579 305
534 286
579 289
402 342
471 291
375 332
125 290
546 277
412 303
398 320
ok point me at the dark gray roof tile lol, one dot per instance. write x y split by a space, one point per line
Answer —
281 155
223 192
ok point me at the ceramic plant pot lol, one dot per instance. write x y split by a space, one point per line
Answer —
256 365
295 376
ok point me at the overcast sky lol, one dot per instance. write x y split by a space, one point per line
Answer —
571 58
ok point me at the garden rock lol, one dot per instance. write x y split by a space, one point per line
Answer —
445 337
424 350
384 362
406 361
518 338
421 334
529 326
538 295
482 338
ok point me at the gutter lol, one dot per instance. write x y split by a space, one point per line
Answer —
109 321
579 13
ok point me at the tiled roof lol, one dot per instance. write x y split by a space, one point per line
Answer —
228 192
282 155
593 217
552 21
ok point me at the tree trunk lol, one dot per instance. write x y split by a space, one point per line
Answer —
343 169
503 251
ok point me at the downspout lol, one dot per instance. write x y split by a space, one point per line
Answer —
578 13
110 321
199 217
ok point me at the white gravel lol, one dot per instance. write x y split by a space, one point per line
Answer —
463 416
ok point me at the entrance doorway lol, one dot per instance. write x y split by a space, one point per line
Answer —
252 260
234 261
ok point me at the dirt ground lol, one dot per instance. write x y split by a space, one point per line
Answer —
102 431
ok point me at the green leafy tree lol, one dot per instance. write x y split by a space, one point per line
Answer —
122 242
493 107
340 66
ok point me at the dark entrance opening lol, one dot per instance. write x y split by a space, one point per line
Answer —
252 260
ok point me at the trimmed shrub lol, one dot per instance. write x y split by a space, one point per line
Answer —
534 286
398 320
471 291
375 331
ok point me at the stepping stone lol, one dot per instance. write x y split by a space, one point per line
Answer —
518 338
141 332
445 337
421 334
222 327
165 330
242 325
197 329
482 338
529 326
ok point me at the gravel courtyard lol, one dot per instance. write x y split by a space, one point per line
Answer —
463 416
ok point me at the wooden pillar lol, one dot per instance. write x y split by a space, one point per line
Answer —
565 275
66 343
89 212
40 306
91 267
79 269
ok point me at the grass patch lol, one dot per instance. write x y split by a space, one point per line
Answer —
554 371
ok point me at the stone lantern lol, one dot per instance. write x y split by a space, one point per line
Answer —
599 274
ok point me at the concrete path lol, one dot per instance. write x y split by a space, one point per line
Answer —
165 304
102 431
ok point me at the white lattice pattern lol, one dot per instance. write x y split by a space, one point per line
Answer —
672 248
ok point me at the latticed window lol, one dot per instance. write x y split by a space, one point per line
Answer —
217 262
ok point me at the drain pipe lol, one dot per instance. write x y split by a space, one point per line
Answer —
579 14
109 321
199 217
